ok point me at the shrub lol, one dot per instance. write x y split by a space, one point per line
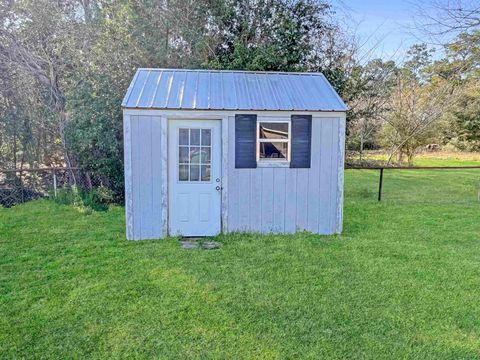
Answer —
64 196
97 199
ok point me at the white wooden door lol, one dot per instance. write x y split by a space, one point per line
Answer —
194 177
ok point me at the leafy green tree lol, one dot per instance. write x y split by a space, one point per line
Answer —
268 35
467 118
227 34
373 85
416 106
68 64
461 66
127 35
40 41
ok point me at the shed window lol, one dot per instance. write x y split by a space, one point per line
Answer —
273 141
194 154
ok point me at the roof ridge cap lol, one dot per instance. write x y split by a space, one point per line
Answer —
305 73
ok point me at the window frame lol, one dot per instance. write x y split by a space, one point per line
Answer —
258 141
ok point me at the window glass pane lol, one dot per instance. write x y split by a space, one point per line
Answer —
206 136
183 137
205 155
273 150
270 130
194 159
183 173
183 154
194 173
195 155
194 136
205 172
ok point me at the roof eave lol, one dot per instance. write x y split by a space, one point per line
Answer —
211 109
130 88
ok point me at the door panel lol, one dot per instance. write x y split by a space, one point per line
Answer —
183 207
194 177
205 204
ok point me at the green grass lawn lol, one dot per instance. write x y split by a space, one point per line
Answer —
403 281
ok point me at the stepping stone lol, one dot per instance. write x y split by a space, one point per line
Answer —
211 245
190 244
198 243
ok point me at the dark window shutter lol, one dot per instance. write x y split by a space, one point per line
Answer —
245 141
301 141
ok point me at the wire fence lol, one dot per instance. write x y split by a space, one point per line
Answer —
416 184
19 186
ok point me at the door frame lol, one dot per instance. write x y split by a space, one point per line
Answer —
165 166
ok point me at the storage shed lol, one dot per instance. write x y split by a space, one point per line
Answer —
223 151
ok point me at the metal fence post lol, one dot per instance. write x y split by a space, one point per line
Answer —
54 183
380 185
21 187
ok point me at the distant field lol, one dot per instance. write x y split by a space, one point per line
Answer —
402 281
414 186
438 158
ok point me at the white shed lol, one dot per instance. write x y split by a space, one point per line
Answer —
224 151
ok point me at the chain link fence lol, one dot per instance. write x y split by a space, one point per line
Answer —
20 186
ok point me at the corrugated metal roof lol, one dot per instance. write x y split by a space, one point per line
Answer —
231 90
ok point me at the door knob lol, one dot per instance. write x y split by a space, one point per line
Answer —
218 188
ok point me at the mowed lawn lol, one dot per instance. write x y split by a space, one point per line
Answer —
403 281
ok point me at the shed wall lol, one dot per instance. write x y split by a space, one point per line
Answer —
286 200
144 198
278 200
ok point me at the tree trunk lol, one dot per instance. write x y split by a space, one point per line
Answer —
62 114
410 156
87 11
361 148
88 180
400 156
14 141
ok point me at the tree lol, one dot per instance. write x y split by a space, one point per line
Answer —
255 35
40 39
375 83
269 35
467 120
129 35
440 19
462 66
67 65
418 102
27 127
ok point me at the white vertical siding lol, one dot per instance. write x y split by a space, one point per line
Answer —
225 159
262 200
301 210
279 196
143 177
255 193
290 201
268 189
127 151
287 200
340 174
327 198
163 177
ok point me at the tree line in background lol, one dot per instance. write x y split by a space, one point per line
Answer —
405 107
66 64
